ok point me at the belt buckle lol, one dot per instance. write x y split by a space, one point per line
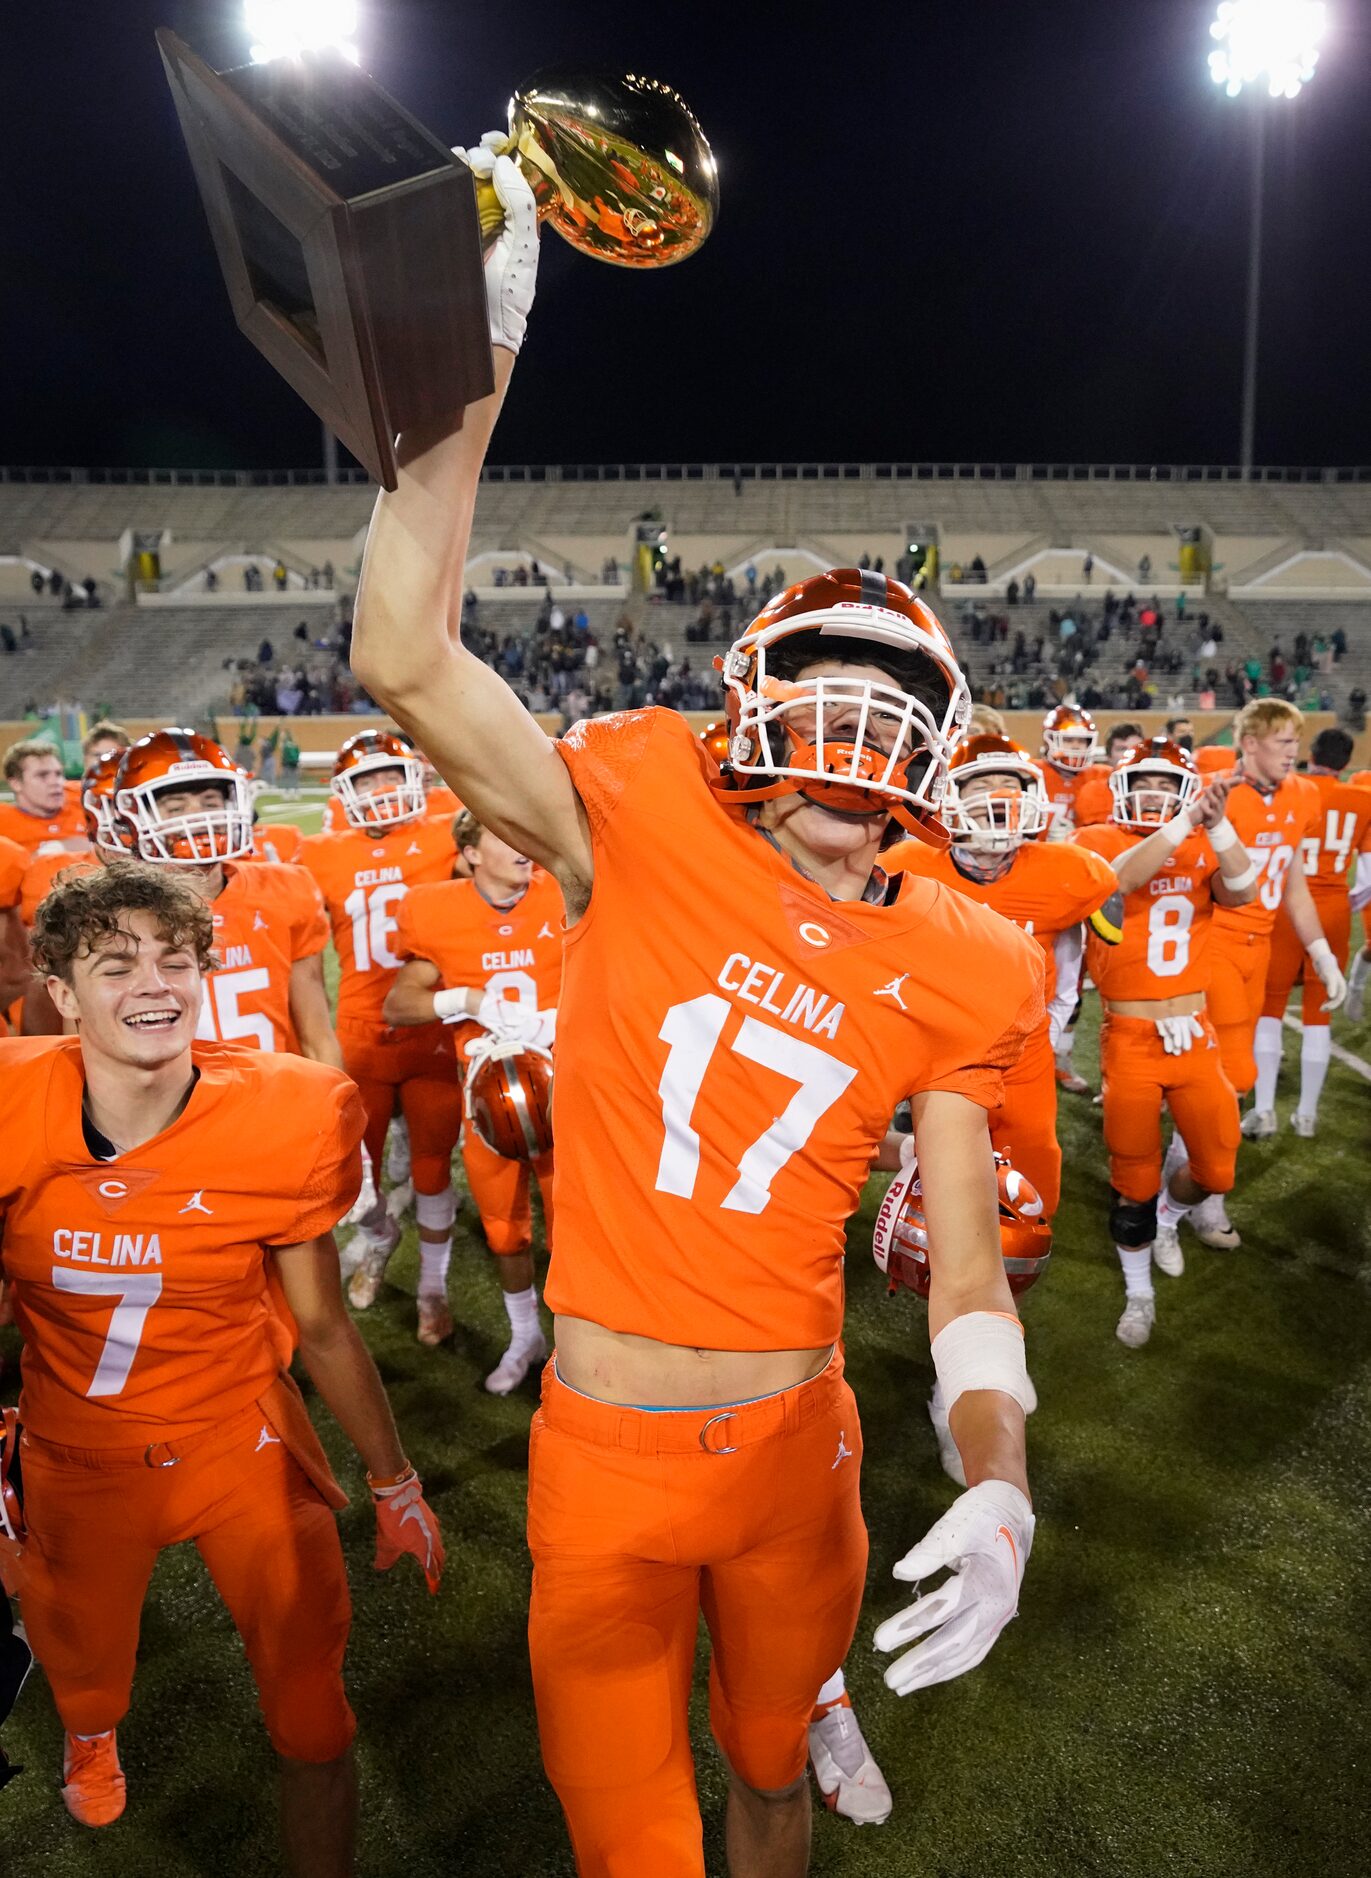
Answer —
148 1453
725 1415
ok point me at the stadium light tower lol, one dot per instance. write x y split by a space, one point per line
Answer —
281 29
1276 43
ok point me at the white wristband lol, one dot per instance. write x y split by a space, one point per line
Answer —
1177 830
1223 835
1236 882
1320 953
982 1350
451 1003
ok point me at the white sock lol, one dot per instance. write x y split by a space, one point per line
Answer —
1267 1050
433 1263
831 1691
1170 1212
1316 1043
1177 1155
522 1310
1137 1270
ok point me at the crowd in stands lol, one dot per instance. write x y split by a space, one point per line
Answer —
562 666
317 579
1125 654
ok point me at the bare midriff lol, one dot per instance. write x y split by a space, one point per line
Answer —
616 1366
1189 1004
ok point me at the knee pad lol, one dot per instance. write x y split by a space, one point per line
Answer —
505 1237
312 1720
435 1212
766 1752
1132 1223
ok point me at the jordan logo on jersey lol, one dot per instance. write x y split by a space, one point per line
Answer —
258 923
844 1451
547 932
892 990
196 1204
266 1440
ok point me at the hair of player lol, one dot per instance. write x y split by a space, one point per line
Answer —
984 717
1332 748
84 912
19 753
913 672
466 830
102 732
1172 722
1262 716
1131 733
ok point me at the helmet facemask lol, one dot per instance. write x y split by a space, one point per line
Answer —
854 745
382 808
1149 794
1070 750
995 810
199 838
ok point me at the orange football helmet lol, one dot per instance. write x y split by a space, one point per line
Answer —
1070 740
852 745
165 763
109 833
991 818
1152 783
364 754
716 738
899 1242
508 1100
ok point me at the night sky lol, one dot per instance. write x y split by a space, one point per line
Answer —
950 230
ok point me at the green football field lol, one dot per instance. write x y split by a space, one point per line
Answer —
1185 1691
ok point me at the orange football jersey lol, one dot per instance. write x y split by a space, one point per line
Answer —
1166 924
440 801
334 820
1360 779
277 841
1048 889
1094 798
266 918
363 876
14 862
33 832
732 1044
1215 759
1342 832
1064 789
138 1283
515 951
43 870
1273 829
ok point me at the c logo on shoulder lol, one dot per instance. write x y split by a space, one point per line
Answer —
113 1190
505 931
812 934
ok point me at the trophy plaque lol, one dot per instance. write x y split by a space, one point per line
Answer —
351 238
349 241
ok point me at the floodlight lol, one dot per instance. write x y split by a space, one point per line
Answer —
1276 41
284 28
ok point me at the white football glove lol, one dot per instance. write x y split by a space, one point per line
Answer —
1356 988
509 1020
985 1538
365 1203
1329 974
512 264
1178 1033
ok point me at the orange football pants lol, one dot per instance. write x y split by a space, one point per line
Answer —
424 1070
638 1520
1237 992
501 1190
97 1520
1139 1077
1024 1127
1290 961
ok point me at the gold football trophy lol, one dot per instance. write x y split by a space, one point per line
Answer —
618 165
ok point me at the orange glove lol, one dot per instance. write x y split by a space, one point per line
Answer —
405 1522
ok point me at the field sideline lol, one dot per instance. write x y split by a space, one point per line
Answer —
1185 1692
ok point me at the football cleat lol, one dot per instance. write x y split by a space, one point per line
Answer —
435 1322
1071 1083
1259 1124
515 1364
1135 1326
845 1770
1212 1225
93 1788
948 1452
1305 1126
365 1285
1166 1252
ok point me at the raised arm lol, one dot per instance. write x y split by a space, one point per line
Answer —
407 646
